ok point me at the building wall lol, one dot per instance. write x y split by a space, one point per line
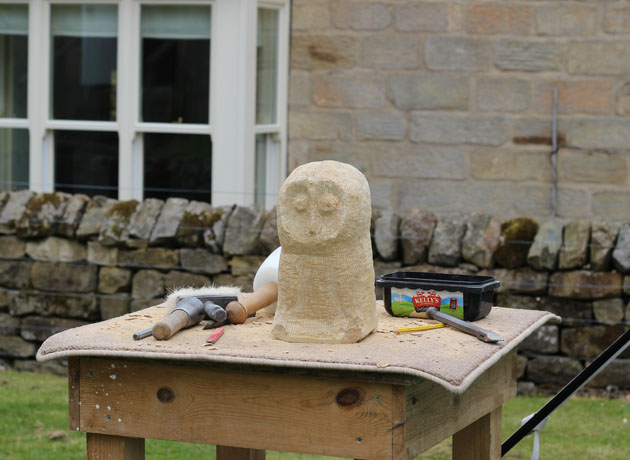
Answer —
447 105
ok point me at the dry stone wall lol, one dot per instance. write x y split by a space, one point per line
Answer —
68 260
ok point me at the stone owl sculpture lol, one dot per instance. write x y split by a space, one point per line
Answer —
325 272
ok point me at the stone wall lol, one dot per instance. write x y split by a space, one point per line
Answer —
67 260
447 105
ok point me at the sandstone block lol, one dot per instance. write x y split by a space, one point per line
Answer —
621 253
421 17
41 215
610 204
381 126
165 229
386 235
101 255
16 347
53 304
445 247
552 370
242 236
609 311
202 261
543 253
531 131
421 161
521 302
310 16
495 18
599 58
622 100
314 52
574 248
457 129
73 212
245 265
9 325
496 94
529 56
451 53
244 282
144 219
269 233
517 236
320 125
12 247
429 92
149 257
213 237
416 230
617 18
113 279
147 284
115 227
582 284
513 165
598 134
572 203
595 167
94 216
353 153
14 209
39 328
348 91
15 274
197 218
591 97
64 277
481 240
520 281
113 306
563 20
175 279
588 341
572 312
544 340
300 90
56 249
359 15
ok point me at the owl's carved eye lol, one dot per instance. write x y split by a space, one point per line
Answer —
300 202
328 203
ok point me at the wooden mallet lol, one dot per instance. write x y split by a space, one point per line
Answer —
238 311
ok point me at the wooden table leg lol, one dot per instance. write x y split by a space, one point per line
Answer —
105 447
238 453
481 440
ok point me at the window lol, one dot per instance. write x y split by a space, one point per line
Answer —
145 98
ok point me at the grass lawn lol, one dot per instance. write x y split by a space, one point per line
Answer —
34 425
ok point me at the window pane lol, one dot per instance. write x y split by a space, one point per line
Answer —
266 172
84 62
13 60
177 165
86 162
13 159
175 64
266 66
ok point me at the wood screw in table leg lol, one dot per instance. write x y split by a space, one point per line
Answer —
481 440
105 447
237 453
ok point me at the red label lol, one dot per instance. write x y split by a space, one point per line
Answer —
426 299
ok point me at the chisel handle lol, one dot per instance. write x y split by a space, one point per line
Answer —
169 326
237 312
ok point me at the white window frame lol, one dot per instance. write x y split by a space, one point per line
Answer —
232 117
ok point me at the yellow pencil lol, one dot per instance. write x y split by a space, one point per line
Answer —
420 328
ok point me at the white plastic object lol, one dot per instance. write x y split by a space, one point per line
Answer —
268 272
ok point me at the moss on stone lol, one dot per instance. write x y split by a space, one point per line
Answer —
517 235
194 221
39 201
123 209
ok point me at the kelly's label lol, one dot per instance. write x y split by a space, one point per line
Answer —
414 303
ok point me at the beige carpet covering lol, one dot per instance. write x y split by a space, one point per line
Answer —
446 356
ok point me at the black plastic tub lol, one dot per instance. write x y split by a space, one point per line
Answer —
409 294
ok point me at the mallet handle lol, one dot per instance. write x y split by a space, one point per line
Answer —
262 297
166 328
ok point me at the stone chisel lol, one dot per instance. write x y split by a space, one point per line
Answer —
464 326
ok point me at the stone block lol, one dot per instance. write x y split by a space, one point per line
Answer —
617 373
566 20
609 311
386 235
245 265
202 261
174 280
572 312
64 277
553 371
622 100
572 203
594 167
458 129
496 18
165 229
244 282
161 258
315 52
590 97
529 56
422 17
141 304
101 255
481 240
390 52
603 236
147 284
543 253
56 249
517 236
16 347
381 126
39 328
499 94
197 218
310 16
115 227
513 165
69 221
320 126
626 291
144 219
621 253
213 237
617 17
15 274
453 53
348 91
598 134
353 153
544 340
445 248
269 233
573 253
14 209
416 230
94 216
57 367
41 215
9 325
610 204
71 305
588 341
429 92
599 58
113 279
521 302
382 193
420 161
583 284
300 90
11 247
520 281
242 236
113 306
533 131
357 15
